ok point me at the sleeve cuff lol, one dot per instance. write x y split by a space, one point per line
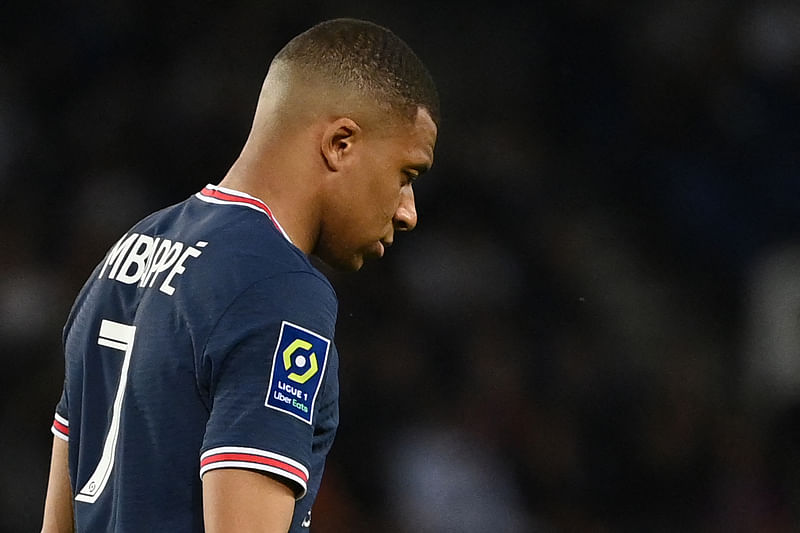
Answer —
288 469
60 427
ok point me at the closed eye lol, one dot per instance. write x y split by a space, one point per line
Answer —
411 177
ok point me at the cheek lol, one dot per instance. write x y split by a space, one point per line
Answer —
386 192
388 202
378 191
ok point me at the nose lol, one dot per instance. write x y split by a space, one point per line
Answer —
405 218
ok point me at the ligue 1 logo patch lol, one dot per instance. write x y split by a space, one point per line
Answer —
297 369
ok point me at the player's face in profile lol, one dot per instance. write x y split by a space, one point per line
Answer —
378 199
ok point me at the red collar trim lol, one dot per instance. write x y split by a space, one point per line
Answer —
220 195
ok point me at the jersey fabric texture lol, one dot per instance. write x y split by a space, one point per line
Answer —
203 340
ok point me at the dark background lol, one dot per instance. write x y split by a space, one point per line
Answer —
596 325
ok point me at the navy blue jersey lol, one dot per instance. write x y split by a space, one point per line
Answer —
203 340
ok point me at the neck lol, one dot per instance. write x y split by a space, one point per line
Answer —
288 192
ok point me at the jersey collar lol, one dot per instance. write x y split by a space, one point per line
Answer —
214 194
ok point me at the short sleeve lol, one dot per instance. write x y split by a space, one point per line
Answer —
60 427
265 368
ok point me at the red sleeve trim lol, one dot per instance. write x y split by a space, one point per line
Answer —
255 459
60 427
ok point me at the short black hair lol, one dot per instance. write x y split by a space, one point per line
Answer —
368 58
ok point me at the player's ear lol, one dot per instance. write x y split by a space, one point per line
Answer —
337 142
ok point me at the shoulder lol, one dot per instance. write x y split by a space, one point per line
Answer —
240 248
282 307
300 296
278 277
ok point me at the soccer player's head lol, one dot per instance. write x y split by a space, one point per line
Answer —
368 105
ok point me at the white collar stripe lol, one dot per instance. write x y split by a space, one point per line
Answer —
214 194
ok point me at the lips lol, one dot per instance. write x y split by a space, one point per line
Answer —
384 246
379 248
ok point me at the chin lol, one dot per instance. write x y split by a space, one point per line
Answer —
344 264
347 257
352 266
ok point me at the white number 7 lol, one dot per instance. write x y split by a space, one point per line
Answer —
120 337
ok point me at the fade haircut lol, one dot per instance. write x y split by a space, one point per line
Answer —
366 58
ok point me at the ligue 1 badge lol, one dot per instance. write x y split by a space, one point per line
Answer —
297 369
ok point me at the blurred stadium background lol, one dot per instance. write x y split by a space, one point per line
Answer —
596 325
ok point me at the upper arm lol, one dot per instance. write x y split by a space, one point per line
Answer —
244 501
58 516
265 366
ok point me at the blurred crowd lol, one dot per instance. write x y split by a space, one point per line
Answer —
596 324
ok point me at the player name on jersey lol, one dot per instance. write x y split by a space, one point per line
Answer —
141 259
